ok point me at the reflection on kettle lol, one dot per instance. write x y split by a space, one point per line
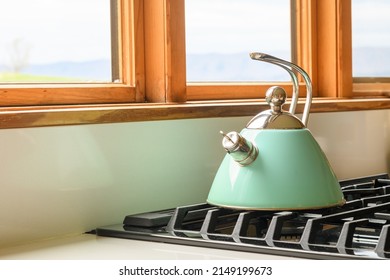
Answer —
275 163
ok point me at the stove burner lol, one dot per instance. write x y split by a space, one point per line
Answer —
358 229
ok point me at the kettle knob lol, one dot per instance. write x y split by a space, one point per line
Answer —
276 97
276 117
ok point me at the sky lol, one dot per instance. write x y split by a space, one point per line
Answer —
71 30
56 29
229 26
370 23
77 30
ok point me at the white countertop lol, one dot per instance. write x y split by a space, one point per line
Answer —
85 252
91 247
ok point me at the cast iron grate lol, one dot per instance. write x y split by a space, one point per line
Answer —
358 229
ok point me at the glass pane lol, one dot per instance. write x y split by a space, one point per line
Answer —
220 34
371 38
55 41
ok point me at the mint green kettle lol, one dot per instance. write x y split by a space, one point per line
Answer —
275 163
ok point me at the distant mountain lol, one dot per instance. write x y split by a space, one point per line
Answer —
367 62
96 70
217 67
372 62
233 67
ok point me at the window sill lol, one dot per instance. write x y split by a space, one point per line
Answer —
39 116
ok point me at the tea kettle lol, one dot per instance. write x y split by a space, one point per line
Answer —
275 163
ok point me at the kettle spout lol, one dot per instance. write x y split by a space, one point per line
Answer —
240 149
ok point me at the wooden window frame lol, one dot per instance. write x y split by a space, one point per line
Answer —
154 86
129 41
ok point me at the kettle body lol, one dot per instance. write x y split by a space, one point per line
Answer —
275 163
291 172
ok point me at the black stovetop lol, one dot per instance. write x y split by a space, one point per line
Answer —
357 230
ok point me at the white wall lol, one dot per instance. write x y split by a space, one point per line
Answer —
65 180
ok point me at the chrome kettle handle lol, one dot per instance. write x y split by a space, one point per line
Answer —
285 65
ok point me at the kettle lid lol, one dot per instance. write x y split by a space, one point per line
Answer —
276 117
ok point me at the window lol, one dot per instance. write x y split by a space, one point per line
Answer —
371 47
57 41
66 52
151 79
220 35
371 38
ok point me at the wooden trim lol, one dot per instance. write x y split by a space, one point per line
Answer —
155 86
344 47
220 91
371 89
55 94
133 49
326 48
165 62
334 48
115 29
175 51
304 27
39 116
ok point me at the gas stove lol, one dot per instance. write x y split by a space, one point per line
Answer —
357 230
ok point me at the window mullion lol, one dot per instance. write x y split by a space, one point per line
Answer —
133 46
304 42
344 39
115 49
165 51
334 48
175 51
